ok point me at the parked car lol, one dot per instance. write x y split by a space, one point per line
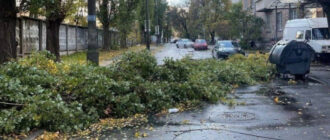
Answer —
200 44
184 43
174 40
225 48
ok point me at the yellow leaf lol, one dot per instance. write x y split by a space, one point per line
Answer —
185 122
145 135
276 100
137 135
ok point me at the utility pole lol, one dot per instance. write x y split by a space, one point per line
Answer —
92 53
147 25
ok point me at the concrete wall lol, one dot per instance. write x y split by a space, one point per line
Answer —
31 36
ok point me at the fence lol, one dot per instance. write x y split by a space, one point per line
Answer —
31 36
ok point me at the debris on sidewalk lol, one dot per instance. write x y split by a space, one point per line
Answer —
173 110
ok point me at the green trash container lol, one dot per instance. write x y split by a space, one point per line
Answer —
292 57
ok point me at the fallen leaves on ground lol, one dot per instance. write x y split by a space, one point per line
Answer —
51 136
80 57
292 82
112 123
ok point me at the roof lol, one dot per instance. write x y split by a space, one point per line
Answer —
310 22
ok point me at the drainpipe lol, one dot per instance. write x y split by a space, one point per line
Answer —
276 19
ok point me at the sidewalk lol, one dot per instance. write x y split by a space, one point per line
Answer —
321 73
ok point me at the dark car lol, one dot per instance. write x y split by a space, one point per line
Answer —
226 48
174 40
200 44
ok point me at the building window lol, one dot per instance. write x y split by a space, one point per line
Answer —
268 20
245 6
279 21
251 4
293 14
300 35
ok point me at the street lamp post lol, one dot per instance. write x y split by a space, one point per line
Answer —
92 53
147 26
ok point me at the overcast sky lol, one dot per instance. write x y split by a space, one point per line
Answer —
175 2
180 2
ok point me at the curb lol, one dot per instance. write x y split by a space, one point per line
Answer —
316 80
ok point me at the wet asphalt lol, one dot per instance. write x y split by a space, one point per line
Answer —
272 111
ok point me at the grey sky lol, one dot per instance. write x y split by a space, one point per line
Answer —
180 2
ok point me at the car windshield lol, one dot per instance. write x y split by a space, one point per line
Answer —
226 44
321 34
185 40
200 41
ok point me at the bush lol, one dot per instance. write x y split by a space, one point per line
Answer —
36 92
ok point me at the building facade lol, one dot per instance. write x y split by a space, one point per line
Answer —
275 14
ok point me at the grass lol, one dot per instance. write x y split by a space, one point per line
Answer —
80 57
76 58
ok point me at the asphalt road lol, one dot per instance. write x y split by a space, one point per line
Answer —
170 51
302 113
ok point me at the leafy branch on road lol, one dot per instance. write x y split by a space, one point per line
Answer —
70 97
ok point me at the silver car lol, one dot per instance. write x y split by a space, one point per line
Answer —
184 43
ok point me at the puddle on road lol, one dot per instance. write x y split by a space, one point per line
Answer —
289 102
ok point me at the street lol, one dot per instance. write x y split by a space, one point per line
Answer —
170 51
104 69
267 111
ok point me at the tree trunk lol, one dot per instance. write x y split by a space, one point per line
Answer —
123 40
8 45
53 40
212 37
302 11
326 9
106 37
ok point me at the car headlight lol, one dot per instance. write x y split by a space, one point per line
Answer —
220 49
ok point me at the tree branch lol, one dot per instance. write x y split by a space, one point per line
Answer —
12 104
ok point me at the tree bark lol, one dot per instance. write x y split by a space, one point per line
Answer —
326 9
123 38
52 36
8 45
106 37
212 37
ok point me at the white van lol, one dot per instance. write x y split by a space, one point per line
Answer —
314 31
